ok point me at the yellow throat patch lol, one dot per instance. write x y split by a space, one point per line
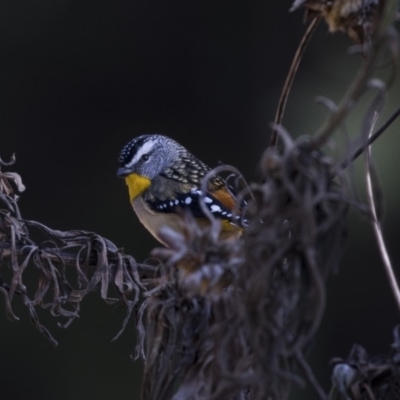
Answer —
137 184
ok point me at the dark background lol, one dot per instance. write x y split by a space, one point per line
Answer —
79 79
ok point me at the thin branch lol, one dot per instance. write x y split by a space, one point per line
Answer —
357 88
290 78
371 139
68 259
378 230
310 376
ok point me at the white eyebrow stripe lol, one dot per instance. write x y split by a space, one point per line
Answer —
146 147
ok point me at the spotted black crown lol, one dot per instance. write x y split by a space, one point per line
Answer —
130 149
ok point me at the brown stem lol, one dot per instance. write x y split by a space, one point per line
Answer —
289 80
67 259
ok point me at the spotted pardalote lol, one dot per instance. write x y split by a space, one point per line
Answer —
162 177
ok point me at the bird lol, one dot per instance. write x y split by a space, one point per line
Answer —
163 177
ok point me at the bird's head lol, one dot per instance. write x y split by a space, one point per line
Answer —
144 158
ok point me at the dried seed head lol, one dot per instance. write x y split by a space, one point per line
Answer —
357 18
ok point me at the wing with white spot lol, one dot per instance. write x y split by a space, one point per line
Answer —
191 201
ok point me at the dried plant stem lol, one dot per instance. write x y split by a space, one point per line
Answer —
310 376
355 91
20 252
378 231
371 139
289 80
64 258
357 88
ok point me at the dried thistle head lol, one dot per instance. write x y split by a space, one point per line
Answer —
357 18
360 376
204 262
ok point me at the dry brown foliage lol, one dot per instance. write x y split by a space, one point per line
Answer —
97 263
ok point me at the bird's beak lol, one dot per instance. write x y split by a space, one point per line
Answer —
123 172
137 184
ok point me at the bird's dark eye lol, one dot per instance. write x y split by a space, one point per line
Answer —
145 157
